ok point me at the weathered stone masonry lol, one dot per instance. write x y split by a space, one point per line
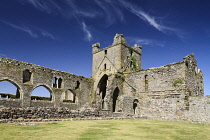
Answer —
26 77
119 87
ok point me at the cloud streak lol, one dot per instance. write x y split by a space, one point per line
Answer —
21 28
144 16
33 33
87 32
149 42
46 34
110 11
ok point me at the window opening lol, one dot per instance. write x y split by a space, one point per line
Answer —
41 93
55 82
115 96
9 90
70 96
105 52
59 83
26 76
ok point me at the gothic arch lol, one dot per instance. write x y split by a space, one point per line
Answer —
101 88
135 106
19 90
115 98
69 96
47 87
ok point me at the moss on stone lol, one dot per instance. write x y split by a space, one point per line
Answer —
120 76
187 63
68 101
130 50
177 82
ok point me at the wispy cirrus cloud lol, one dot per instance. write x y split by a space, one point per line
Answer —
87 32
144 16
66 8
47 34
152 20
148 42
35 33
108 10
46 5
21 28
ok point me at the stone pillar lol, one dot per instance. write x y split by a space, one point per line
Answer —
57 94
26 95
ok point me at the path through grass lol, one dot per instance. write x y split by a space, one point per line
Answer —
107 129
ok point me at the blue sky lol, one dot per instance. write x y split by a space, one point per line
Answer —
59 34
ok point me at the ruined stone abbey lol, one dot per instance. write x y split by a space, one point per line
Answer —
119 87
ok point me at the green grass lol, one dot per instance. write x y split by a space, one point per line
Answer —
107 129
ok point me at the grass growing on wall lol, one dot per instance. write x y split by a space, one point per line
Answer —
109 129
177 82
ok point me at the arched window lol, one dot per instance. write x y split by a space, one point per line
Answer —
9 90
77 85
59 83
115 96
41 93
135 105
55 82
26 76
105 52
70 96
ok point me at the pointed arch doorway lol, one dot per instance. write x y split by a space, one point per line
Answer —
102 86
114 100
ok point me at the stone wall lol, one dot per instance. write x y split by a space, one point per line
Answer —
45 113
10 102
194 77
199 109
26 77
155 80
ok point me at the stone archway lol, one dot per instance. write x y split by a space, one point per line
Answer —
69 96
11 83
114 99
47 97
102 87
135 106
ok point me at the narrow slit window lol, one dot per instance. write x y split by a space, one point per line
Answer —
105 52
146 83
55 82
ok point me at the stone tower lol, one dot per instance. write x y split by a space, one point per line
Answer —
109 62
119 57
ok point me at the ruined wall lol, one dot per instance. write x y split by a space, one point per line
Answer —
163 93
131 58
194 77
164 107
26 77
160 80
199 109
175 108
39 113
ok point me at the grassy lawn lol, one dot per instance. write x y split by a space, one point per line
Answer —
107 129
